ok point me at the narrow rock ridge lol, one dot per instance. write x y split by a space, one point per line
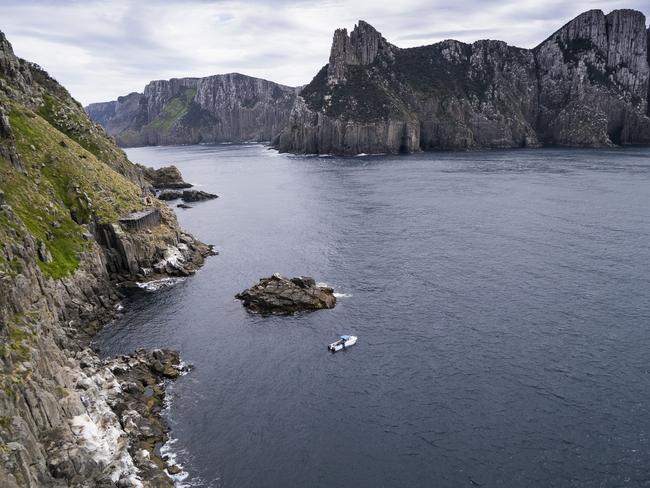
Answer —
586 85
361 47
220 108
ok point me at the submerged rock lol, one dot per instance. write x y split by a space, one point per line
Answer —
280 295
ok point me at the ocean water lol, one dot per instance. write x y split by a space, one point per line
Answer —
501 300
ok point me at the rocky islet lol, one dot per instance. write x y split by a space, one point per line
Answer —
283 296
187 195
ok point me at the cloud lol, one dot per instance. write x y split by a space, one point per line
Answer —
100 49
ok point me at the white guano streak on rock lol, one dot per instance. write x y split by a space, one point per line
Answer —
100 431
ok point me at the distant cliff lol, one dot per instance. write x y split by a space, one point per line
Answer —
586 86
221 108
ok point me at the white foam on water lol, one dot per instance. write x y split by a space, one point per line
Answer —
173 256
156 285
342 295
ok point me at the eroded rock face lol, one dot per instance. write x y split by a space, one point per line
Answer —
593 78
279 295
220 108
586 85
62 258
170 195
197 196
123 397
167 177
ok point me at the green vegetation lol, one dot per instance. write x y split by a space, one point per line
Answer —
17 343
61 392
65 185
173 111
19 338
365 95
66 115
427 70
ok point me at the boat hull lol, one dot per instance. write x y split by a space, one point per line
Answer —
342 344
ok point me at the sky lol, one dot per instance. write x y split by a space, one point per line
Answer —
100 49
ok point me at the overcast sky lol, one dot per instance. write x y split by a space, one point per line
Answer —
100 49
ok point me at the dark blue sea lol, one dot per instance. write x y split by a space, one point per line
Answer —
501 300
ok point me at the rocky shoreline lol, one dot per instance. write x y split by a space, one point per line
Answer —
70 417
78 222
133 387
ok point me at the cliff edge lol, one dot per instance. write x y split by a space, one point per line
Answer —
584 86
221 108
77 218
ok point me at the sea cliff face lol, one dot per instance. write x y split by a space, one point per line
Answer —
586 85
221 108
64 187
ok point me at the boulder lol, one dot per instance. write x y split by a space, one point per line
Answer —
166 177
197 196
170 195
44 253
280 295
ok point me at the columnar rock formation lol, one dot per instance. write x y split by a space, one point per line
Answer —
221 108
66 418
586 85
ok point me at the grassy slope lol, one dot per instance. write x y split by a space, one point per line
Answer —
179 110
173 111
62 176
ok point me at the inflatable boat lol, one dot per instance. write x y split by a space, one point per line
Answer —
344 342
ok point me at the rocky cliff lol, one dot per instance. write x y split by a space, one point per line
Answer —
64 189
221 108
586 85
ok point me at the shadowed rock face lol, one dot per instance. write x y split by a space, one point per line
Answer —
221 108
279 295
593 78
586 85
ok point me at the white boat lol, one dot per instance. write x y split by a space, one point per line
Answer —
344 342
